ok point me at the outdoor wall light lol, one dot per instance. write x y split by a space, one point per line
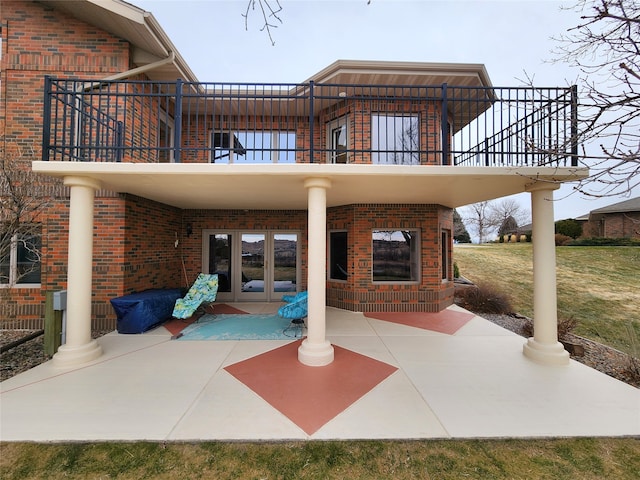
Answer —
189 229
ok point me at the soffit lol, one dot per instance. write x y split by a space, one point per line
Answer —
403 73
281 187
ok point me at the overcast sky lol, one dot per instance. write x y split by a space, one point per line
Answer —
511 38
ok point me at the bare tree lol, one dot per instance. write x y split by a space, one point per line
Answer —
269 11
478 217
605 47
501 211
22 201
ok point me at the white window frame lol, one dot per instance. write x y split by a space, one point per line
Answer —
13 267
332 151
170 128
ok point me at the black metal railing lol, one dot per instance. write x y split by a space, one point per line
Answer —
141 121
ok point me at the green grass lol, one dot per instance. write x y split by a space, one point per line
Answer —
598 286
472 459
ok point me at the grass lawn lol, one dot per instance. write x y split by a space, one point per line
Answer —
474 459
598 286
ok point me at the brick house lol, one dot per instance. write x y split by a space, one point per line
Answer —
620 220
343 185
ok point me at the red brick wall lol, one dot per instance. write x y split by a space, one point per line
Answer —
613 225
150 258
622 225
37 41
359 293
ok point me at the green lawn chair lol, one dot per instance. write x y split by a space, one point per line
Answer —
203 291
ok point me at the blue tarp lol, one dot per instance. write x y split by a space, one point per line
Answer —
139 312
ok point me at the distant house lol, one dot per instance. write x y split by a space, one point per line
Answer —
620 220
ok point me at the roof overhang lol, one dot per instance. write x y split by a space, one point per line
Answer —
281 186
364 72
140 28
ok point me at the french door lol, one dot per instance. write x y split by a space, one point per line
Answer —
256 266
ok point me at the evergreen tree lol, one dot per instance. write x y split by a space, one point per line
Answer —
460 233
508 227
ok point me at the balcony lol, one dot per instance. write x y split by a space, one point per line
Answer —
249 124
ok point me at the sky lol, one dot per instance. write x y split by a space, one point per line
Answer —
514 39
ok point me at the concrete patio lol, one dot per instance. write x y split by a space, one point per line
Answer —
472 383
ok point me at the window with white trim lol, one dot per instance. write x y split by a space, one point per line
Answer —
165 138
338 140
20 262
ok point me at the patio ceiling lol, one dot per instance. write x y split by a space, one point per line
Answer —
281 186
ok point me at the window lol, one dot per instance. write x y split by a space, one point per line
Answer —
165 138
338 140
395 139
445 252
338 256
253 147
20 264
395 256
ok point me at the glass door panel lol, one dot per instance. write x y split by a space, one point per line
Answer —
285 262
253 264
220 250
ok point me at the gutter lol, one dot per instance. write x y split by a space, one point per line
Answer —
142 69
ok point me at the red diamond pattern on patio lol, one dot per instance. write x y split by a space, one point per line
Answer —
310 396
446 321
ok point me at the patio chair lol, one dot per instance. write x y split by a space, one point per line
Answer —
295 309
203 291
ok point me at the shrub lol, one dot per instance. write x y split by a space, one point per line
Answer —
570 227
485 299
562 240
456 270
605 242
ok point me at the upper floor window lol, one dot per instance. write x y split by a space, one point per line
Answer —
338 140
395 139
253 146
165 138
20 261
395 256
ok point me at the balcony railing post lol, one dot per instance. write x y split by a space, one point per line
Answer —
444 126
574 125
119 141
311 146
177 129
46 124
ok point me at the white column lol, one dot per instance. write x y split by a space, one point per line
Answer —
316 350
79 347
544 346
